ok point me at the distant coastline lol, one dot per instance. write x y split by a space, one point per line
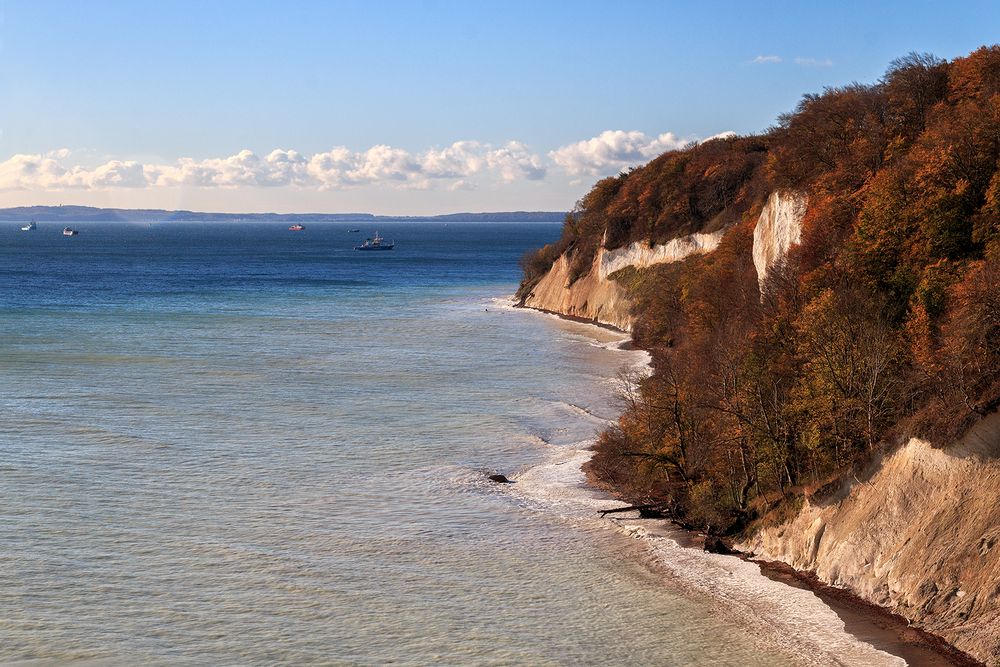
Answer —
94 214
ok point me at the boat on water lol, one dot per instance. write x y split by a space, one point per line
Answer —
30 227
296 227
375 243
69 231
351 231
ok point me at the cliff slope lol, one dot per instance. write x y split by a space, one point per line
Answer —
596 296
919 535
777 230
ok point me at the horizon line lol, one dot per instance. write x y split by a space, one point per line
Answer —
54 207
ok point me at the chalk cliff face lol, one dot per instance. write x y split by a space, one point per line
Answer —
778 228
601 300
596 296
921 536
640 254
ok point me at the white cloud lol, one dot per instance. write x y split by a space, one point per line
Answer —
40 172
459 160
118 174
22 171
384 163
814 62
461 184
612 151
766 60
278 168
514 161
728 134
463 165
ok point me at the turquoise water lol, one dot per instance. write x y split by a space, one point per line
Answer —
234 444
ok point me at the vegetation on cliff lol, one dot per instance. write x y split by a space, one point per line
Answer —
883 321
701 189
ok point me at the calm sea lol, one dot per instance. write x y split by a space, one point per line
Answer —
233 444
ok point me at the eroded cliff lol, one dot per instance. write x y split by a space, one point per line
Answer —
778 228
919 534
596 296
885 320
591 297
641 255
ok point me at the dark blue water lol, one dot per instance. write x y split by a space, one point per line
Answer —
187 267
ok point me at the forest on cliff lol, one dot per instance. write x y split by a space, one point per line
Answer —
882 323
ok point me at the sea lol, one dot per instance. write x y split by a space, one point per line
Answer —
233 444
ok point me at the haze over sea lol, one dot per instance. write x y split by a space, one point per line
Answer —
235 444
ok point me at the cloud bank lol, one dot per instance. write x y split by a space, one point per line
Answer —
462 165
335 169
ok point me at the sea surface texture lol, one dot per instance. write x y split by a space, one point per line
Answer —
235 444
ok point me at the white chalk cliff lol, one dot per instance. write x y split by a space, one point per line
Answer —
641 255
920 535
590 298
778 228
596 296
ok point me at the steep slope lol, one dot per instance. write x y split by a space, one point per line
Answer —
778 229
597 296
591 297
919 535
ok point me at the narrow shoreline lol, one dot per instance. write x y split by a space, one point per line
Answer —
582 320
864 620
870 622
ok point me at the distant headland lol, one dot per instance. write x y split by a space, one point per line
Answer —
94 214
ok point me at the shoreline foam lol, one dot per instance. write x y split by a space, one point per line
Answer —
792 620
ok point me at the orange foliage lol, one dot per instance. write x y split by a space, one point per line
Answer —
884 319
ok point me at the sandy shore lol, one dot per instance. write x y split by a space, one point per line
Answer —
876 625
863 620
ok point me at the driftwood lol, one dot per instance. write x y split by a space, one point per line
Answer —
648 511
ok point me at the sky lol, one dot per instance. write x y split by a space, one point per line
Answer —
418 107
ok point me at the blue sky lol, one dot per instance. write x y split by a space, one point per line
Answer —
412 107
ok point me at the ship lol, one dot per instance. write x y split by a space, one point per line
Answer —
296 227
376 243
30 227
351 231
69 231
